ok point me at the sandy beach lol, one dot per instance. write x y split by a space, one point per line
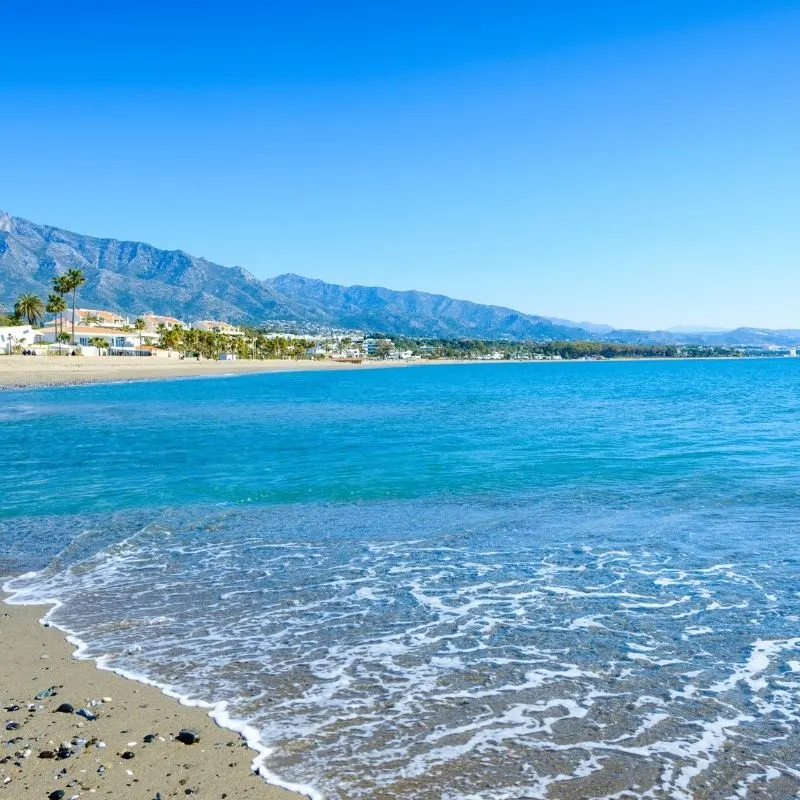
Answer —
47 753
32 371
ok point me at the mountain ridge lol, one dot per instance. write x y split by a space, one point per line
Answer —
136 277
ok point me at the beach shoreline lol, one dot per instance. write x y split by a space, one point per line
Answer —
32 372
131 748
39 372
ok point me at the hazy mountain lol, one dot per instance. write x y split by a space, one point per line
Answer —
132 277
696 329
592 327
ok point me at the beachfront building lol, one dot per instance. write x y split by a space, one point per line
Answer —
216 326
13 337
152 322
118 342
95 317
378 346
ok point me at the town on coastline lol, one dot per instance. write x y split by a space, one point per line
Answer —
58 327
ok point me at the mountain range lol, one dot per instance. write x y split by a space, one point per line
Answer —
134 278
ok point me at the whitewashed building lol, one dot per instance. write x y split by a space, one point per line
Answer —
118 342
12 336
216 326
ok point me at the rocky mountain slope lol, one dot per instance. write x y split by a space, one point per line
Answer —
134 277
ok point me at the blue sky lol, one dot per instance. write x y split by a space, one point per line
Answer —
634 163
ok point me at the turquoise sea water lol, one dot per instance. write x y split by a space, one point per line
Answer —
492 581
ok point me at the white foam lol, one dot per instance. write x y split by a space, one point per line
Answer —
217 711
759 661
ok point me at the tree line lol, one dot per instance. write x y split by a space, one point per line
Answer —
457 348
31 308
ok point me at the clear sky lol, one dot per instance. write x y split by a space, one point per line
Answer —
628 162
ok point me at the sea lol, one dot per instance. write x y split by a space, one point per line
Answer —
462 582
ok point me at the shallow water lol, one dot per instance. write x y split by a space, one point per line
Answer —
499 581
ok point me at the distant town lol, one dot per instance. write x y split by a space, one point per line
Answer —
57 327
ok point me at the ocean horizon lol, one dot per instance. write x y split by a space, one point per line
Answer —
576 581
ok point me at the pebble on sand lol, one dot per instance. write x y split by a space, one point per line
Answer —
188 736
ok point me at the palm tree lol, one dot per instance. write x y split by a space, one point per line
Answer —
72 281
56 305
99 342
30 307
139 326
61 287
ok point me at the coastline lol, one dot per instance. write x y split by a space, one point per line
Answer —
35 656
29 372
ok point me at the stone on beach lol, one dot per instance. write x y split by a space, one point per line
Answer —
188 736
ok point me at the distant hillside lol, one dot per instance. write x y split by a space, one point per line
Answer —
136 277
133 277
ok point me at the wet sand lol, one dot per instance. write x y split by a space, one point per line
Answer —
44 752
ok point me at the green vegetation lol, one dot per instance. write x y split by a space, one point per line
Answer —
209 344
568 350
29 307
69 283
139 326
56 305
100 342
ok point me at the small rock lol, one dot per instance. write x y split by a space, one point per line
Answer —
188 736
6 780
13 726
65 708
56 795
47 754
86 714
149 737
106 699
127 755
101 770
51 692
11 709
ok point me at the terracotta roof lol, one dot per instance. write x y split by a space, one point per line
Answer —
95 330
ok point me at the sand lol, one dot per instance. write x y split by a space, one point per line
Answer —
31 371
34 658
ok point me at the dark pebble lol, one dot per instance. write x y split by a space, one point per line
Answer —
149 737
13 726
86 714
65 708
127 755
56 795
47 754
12 709
188 736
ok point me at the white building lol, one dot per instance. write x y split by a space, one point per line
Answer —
117 341
12 336
153 321
216 326
95 317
